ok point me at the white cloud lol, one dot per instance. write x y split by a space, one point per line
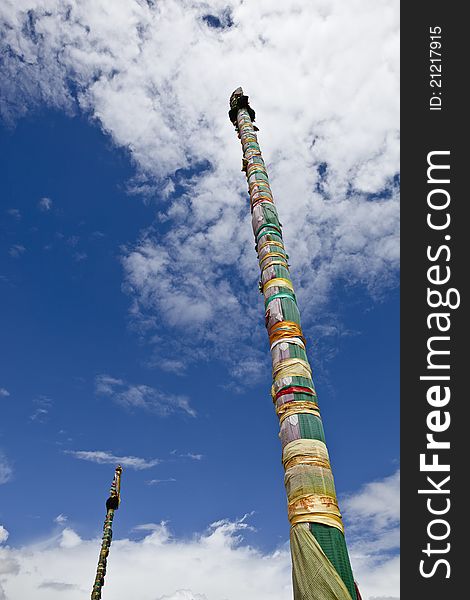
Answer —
374 548
45 204
142 396
3 534
6 470
60 519
69 538
4 392
328 111
159 481
378 502
104 458
218 563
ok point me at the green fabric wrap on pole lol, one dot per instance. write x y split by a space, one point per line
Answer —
333 545
311 427
299 381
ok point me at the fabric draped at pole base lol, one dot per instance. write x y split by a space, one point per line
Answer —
313 574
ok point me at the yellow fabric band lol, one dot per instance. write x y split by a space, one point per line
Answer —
291 367
296 408
287 362
262 196
275 262
307 460
305 451
303 512
311 493
270 243
278 282
257 183
269 254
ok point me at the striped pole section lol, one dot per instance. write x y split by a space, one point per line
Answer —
320 560
112 504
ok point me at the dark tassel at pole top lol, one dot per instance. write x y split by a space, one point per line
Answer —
239 100
114 493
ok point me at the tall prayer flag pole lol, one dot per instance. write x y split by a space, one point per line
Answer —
112 504
321 568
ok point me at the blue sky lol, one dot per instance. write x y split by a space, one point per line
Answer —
131 326
65 322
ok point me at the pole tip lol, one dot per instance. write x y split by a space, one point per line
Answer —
235 95
239 100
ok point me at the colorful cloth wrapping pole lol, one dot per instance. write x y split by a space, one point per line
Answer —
311 496
112 504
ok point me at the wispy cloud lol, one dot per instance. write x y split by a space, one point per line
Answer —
72 240
159 481
191 455
142 396
159 527
16 250
45 204
4 392
39 415
6 470
15 213
43 404
104 458
171 365
60 519
58 586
